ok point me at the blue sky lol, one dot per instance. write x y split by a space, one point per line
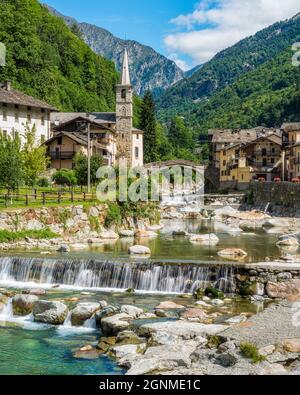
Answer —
188 31
146 21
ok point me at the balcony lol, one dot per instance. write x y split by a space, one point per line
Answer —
61 155
266 153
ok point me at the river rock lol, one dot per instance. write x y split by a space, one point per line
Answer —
3 298
63 248
34 225
23 304
227 359
194 313
283 290
141 234
276 223
139 250
132 311
292 345
50 312
121 351
83 312
233 253
107 311
209 239
164 358
109 235
126 233
183 329
111 326
168 306
288 240
128 337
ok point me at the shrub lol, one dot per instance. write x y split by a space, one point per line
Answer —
114 215
43 182
250 351
7 236
65 177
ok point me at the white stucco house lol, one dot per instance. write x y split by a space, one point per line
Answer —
18 110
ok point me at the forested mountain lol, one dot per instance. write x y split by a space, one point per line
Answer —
149 70
46 60
249 84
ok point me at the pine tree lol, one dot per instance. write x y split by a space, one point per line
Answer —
148 125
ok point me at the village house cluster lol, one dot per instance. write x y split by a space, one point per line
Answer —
109 135
239 156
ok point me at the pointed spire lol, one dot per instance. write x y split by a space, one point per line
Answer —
125 79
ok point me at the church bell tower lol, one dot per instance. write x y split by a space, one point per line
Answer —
124 114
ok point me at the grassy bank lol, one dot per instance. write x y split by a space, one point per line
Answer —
7 236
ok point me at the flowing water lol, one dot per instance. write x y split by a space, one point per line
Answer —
176 267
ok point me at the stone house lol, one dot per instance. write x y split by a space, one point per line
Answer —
291 133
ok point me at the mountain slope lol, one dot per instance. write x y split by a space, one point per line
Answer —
47 61
190 94
149 70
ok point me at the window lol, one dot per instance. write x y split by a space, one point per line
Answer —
29 118
272 160
59 141
16 106
224 153
233 178
123 94
42 110
28 108
4 133
136 150
4 104
16 117
43 121
137 136
224 162
43 138
4 116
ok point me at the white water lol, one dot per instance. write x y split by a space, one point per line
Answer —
105 276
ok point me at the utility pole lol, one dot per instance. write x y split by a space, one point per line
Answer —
89 157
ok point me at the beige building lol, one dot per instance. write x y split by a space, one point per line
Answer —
292 150
111 135
238 156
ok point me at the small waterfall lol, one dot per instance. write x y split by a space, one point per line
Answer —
95 274
91 323
7 312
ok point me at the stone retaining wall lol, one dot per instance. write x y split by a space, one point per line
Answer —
281 198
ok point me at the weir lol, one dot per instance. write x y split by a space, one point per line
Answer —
121 275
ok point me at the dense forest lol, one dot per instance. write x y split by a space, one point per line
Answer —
249 84
47 61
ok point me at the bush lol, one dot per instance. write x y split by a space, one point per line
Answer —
43 182
250 351
114 215
65 177
7 236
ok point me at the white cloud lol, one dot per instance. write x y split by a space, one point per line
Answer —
180 63
216 25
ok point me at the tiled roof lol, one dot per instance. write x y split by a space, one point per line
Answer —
291 126
59 118
243 136
12 96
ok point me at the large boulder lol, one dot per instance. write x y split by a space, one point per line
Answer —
50 312
104 312
209 239
283 290
23 304
126 233
168 305
145 234
288 240
132 311
139 250
109 235
233 253
83 312
111 326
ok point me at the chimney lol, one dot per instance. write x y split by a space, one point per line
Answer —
7 85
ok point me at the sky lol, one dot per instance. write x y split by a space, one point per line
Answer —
189 32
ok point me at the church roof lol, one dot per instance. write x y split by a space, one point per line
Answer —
125 77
